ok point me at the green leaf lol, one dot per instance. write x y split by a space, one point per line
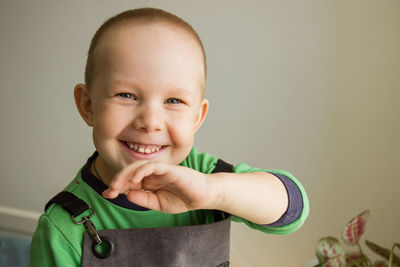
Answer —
356 260
384 252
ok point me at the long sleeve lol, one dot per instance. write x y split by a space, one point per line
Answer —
50 247
298 208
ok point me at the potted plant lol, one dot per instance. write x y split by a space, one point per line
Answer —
331 254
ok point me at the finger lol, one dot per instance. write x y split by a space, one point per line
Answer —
129 178
110 193
148 169
143 171
121 178
125 186
113 193
144 199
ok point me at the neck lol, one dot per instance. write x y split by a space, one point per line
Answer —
100 172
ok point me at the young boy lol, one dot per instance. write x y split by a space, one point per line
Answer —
144 98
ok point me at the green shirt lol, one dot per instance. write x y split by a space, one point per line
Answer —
57 240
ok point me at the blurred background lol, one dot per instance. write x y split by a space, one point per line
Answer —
312 87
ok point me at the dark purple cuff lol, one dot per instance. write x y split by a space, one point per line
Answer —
295 206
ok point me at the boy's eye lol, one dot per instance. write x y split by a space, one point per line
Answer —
127 95
173 101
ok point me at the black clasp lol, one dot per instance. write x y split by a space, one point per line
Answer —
89 226
92 231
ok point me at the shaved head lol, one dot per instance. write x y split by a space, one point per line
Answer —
142 16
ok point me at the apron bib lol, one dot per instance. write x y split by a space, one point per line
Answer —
196 245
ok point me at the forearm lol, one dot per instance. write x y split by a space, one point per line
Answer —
258 196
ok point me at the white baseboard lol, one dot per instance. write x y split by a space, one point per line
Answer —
19 220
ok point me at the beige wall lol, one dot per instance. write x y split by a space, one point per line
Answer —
312 87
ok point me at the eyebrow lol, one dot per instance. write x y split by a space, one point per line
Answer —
133 84
175 89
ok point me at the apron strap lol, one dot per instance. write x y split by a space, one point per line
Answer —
71 203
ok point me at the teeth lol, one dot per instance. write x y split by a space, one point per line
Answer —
143 149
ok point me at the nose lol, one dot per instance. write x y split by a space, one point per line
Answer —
148 119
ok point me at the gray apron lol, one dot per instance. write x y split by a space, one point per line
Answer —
196 245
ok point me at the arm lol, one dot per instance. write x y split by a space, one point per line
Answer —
257 197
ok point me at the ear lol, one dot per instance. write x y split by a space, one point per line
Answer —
83 103
201 115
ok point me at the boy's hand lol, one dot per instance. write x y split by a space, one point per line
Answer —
160 186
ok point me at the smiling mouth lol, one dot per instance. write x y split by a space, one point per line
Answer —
143 149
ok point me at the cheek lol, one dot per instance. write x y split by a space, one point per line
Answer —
110 122
181 129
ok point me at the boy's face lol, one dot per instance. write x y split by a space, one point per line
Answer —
145 100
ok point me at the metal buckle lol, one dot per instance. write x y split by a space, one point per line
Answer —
85 218
89 226
92 232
